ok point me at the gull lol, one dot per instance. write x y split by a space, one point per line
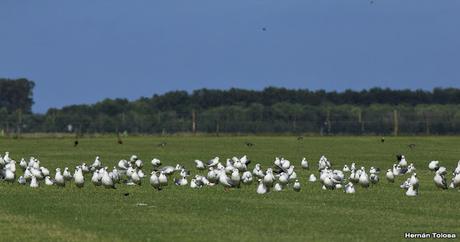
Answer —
199 165
269 178
79 178
9 175
163 179
225 181
235 177
36 173
44 171
277 187
296 186
155 162
59 178
96 179
213 162
411 191
133 158
246 178
414 180
328 183
312 178
67 175
433 165
402 161
97 164
135 178
456 180
23 164
123 164
84 168
27 174
22 180
374 178
390 176
364 180
181 181
49 181
261 188
107 182
34 182
193 184
293 176
349 188
283 178
345 168
304 163
154 181
115 175
139 163
258 172
440 180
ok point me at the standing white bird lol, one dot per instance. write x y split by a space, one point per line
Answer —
49 181
433 165
390 176
156 162
261 188
304 163
59 178
107 181
155 181
364 180
163 179
79 178
312 178
34 182
296 186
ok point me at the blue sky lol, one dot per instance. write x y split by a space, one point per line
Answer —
87 50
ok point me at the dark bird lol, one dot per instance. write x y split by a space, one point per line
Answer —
162 144
300 138
264 29
75 143
382 140
399 157
249 144
411 146
371 2
126 194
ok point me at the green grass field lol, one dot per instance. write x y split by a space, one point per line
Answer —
380 213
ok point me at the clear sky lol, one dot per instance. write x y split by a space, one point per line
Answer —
84 51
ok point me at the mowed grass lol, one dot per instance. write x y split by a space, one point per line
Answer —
380 213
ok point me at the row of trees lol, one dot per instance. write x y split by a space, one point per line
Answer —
272 110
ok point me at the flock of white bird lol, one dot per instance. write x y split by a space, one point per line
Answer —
233 174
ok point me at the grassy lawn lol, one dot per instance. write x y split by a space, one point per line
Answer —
380 213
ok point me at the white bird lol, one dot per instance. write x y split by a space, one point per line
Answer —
411 191
349 188
23 164
403 162
440 180
433 165
79 178
296 186
246 178
312 178
374 178
277 187
34 182
97 164
261 188
67 175
181 181
390 176
269 178
155 162
48 181
155 181
304 163
345 168
163 179
44 171
139 163
364 180
22 180
107 181
283 178
9 175
199 165
213 162
59 178
96 179
414 180
456 180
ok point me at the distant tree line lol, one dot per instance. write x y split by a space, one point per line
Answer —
271 110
